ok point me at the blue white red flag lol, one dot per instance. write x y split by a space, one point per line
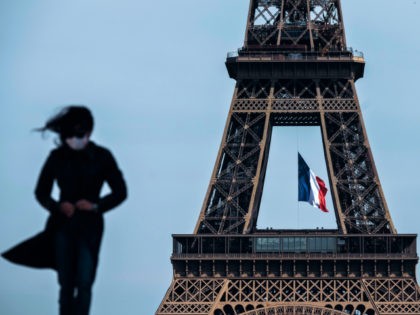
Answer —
312 189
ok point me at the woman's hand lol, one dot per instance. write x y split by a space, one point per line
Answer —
67 209
85 205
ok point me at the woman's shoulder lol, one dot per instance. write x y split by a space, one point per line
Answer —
99 150
56 152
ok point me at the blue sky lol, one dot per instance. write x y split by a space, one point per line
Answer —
153 74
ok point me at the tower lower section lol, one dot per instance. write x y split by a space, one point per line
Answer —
263 296
303 272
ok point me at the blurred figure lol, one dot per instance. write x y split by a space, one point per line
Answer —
71 240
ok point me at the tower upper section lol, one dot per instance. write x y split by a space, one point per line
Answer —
295 25
295 39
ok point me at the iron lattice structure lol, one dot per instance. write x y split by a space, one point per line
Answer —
294 69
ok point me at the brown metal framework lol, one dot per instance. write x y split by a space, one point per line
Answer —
294 69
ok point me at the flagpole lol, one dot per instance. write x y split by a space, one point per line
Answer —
297 149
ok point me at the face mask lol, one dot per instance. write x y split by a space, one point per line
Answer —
77 143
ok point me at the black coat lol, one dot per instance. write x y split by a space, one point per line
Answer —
79 175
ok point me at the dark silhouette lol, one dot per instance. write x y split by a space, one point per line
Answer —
71 240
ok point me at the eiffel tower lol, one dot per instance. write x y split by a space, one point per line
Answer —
294 69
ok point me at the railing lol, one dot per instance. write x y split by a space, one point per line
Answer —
293 256
348 54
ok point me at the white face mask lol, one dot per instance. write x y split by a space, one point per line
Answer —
77 143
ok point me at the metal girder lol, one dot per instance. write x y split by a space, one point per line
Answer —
232 203
227 203
296 25
281 296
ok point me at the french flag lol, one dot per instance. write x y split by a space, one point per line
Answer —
312 189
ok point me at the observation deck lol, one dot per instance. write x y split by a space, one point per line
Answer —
275 64
295 254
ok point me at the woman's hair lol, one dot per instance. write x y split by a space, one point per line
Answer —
70 119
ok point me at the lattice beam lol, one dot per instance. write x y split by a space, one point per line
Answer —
306 296
232 202
303 25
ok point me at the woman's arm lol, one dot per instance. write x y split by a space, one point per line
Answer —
115 180
45 184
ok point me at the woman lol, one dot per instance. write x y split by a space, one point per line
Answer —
71 241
